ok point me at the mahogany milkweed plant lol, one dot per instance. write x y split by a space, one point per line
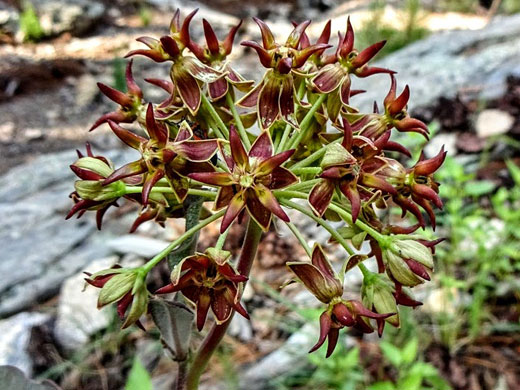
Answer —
315 153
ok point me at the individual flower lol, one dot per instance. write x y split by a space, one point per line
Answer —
408 262
186 71
416 186
251 178
320 279
214 54
208 280
274 95
335 77
90 194
130 103
160 156
350 167
124 286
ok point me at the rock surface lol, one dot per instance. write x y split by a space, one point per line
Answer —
493 122
78 316
16 332
450 62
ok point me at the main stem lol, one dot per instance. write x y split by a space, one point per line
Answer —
217 332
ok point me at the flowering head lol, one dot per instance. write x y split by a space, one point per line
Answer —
208 281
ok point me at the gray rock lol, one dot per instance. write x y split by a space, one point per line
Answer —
240 328
135 244
74 16
448 140
78 316
493 122
9 19
16 332
446 63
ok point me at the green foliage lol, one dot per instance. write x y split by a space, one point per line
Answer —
510 6
30 24
145 15
139 378
376 29
118 74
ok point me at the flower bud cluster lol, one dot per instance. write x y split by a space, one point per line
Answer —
311 144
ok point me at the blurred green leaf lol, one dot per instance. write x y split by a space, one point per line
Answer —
392 353
382 386
409 352
479 188
139 378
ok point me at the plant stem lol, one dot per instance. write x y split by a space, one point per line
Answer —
214 115
300 238
303 185
321 222
304 125
364 269
221 240
374 233
161 255
304 170
238 121
313 157
217 332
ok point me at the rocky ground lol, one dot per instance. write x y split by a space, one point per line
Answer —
468 81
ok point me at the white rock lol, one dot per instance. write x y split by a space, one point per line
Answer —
448 140
240 328
493 122
16 333
139 245
78 317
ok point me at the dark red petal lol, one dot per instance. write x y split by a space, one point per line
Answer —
251 98
170 46
390 96
268 166
211 38
236 205
286 102
130 169
131 139
218 89
147 215
238 152
262 147
269 201
325 323
418 269
325 34
131 85
220 306
203 304
156 132
213 178
319 260
343 314
333 340
267 35
346 45
188 88
265 57
185 29
227 44
115 95
367 54
257 211
268 102
427 167
164 84
281 178
328 78
294 38
85 174
400 103
321 195
424 191
150 181
351 192
117 117
377 182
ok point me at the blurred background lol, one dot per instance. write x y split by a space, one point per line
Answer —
462 62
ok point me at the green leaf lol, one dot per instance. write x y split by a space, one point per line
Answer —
392 353
409 352
12 378
514 170
139 378
479 188
174 321
412 381
382 386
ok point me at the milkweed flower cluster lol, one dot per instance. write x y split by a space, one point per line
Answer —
311 151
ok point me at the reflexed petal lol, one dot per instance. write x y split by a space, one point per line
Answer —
131 139
231 274
351 192
213 178
321 195
164 84
296 34
426 205
150 181
169 45
377 182
236 205
319 260
347 44
281 178
157 132
286 101
328 78
188 88
304 54
412 125
218 89
211 38
325 323
251 98
227 44
238 153
130 169
269 165
366 71
390 96
315 281
197 151
427 167
400 103
407 205
262 147
268 107
203 304
116 116
344 91
131 85
224 196
269 201
332 341
426 192
257 211
220 306
233 297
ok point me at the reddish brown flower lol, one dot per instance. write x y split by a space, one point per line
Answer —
214 54
161 156
250 179
129 102
335 77
186 71
321 280
208 280
274 95
352 168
